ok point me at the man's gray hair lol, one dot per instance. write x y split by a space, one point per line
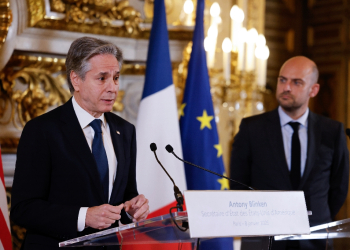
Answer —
82 50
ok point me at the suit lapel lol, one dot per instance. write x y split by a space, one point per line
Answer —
75 135
117 140
314 140
273 127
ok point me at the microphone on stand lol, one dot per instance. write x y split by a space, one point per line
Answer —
178 196
347 132
170 149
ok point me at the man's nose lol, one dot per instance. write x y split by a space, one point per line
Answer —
112 86
286 86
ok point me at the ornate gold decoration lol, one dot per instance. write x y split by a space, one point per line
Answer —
57 6
149 5
148 9
18 234
105 17
36 11
118 106
9 145
5 20
133 69
172 9
42 88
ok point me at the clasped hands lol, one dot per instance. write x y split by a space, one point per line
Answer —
101 217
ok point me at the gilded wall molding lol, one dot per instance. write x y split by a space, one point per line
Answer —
9 144
30 85
5 20
107 17
133 69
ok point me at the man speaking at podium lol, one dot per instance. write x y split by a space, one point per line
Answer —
292 148
75 171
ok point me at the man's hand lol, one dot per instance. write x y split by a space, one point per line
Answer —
137 207
103 216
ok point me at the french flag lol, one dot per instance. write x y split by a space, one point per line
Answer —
157 122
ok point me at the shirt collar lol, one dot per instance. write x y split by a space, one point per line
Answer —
284 118
84 117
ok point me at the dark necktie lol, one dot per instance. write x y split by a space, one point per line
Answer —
295 164
99 153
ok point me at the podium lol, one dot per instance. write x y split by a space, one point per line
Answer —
331 230
161 229
326 232
213 214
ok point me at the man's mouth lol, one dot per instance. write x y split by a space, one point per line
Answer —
285 95
108 100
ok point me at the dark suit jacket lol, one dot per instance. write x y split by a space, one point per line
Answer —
56 174
258 160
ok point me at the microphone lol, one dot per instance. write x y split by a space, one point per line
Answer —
178 196
170 149
347 131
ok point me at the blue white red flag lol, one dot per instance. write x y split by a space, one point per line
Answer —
158 122
199 136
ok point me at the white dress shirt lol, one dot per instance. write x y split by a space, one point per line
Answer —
84 119
287 132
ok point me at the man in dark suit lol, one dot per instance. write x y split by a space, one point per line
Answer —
75 171
264 157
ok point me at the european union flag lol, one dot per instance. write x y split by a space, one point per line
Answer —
158 122
200 141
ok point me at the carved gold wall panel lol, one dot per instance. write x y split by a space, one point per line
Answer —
43 80
106 17
173 9
5 20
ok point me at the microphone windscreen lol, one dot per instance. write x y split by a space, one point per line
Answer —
169 148
153 146
347 131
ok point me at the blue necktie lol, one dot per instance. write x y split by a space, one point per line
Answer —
295 165
99 153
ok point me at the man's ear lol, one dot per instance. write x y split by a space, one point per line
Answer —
314 89
75 79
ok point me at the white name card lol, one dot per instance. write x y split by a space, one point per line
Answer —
246 213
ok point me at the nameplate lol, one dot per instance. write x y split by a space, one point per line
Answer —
246 213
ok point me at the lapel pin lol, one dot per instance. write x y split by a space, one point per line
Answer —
118 132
